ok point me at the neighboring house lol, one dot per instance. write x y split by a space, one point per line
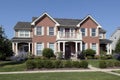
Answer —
115 37
70 36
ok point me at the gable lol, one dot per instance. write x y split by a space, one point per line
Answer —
45 21
89 23
42 17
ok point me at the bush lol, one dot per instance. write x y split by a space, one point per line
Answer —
67 64
59 55
102 64
84 64
39 64
110 63
58 64
89 52
117 63
30 64
81 56
48 64
76 64
48 53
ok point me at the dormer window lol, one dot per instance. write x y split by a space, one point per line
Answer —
23 33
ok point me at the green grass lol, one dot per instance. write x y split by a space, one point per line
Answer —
8 66
60 76
118 71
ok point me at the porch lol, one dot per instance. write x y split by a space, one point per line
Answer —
70 49
21 46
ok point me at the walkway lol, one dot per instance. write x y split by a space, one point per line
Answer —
91 69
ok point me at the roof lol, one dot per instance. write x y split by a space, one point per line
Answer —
105 41
68 22
22 25
118 29
16 39
102 30
40 17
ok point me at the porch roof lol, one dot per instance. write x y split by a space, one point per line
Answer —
105 41
16 39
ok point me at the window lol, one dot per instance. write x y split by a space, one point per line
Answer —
83 46
94 46
51 45
24 33
93 32
39 31
72 32
39 48
83 31
51 31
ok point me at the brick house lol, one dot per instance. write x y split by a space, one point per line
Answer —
71 36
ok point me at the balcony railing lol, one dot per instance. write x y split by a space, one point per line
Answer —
68 36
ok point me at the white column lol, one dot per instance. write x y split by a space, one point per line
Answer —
76 48
29 47
110 49
58 46
13 47
81 46
16 48
63 49
107 46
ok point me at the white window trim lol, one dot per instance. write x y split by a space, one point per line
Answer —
35 31
86 32
24 33
48 31
86 46
48 45
96 34
96 47
35 44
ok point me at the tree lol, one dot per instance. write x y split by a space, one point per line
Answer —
5 46
117 48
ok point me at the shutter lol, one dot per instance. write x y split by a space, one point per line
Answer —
42 30
35 31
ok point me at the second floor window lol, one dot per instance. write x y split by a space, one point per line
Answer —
24 33
51 31
93 32
39 31
83 31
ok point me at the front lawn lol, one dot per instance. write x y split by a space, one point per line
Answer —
60 76
118 71
8 66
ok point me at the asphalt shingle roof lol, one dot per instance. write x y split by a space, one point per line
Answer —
22 25
68 22
16 39
102 30
105 41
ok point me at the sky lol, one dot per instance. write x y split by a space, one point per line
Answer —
105 12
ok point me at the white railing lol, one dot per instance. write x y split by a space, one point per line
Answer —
69 35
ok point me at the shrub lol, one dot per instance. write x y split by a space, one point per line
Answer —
89 52
102 64
67 64
48 53
117 63
83 64
59 55
76 64
81 56
110 63
30 64
48 63
58 64
39 64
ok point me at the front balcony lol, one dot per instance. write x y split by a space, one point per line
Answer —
69 36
